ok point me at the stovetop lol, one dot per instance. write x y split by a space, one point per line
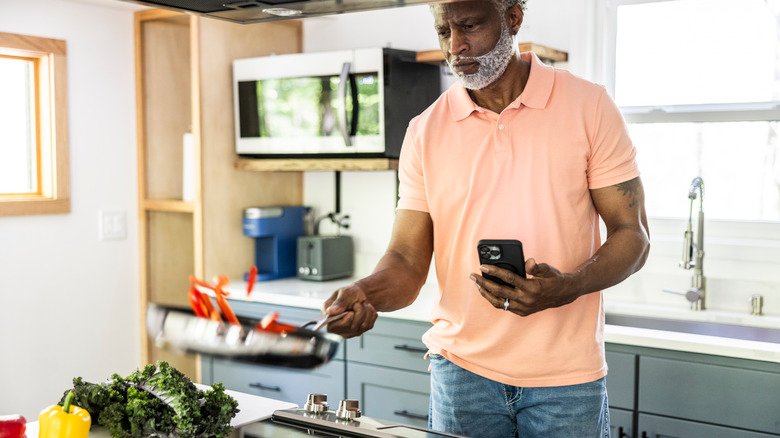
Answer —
315 419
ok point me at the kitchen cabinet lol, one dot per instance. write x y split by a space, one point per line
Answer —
386 371
183 85
621 423
662 427
679 394
390 394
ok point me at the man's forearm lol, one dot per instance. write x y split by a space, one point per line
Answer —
623 253
395 283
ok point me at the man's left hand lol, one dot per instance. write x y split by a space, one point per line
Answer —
546 288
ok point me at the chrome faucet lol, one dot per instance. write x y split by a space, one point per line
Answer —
693 252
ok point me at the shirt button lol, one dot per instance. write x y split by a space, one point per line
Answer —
501 127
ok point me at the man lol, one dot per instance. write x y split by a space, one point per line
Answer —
517 150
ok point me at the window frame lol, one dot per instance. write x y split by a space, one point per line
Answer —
50 57
720 231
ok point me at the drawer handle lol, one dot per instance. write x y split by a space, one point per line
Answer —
405 347
412 415
264 387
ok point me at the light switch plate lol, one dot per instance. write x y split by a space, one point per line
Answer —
112 225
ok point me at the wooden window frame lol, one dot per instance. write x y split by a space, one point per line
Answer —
53 195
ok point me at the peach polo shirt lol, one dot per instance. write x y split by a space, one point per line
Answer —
523 174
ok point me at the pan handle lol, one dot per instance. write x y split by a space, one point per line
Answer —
265 387
410 348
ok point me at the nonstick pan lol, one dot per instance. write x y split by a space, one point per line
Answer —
296 347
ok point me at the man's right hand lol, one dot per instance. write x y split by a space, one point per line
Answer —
361 315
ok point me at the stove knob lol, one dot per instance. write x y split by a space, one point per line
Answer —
348 410
316 403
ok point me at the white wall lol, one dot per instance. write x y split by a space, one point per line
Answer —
69 301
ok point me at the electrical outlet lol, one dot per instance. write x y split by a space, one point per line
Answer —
112 225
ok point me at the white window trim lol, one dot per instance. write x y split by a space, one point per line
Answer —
757 235
53 105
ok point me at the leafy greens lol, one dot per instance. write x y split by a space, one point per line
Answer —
156 401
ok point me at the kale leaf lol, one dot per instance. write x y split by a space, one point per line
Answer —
156 400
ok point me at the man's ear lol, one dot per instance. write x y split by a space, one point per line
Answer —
515 16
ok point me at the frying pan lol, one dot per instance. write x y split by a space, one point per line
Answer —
297 347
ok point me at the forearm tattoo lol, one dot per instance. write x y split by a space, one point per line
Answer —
632 190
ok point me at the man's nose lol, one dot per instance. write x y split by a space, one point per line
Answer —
457 42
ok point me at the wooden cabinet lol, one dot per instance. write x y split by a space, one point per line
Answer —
184 85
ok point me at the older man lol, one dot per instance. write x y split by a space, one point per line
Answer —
515 150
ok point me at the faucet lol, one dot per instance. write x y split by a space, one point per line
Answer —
693 252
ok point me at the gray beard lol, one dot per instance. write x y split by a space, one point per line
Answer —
491 65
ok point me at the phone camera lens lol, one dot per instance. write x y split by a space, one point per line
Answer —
495 252
484 250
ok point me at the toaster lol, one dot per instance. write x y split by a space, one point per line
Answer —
325 257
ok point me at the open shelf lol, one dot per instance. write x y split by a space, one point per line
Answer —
290 165
544 53
169 205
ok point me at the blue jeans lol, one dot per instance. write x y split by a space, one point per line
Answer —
464 403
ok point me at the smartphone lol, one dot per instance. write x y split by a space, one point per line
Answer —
506 254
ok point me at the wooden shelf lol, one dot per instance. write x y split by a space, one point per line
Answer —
169 205
290 165
544 53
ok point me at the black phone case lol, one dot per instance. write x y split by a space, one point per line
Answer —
510 257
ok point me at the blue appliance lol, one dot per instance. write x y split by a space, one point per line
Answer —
276 231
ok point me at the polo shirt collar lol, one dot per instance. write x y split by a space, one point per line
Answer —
535 95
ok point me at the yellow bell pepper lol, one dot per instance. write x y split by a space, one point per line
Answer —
66 421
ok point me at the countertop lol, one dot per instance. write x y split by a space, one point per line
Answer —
309 294
252 408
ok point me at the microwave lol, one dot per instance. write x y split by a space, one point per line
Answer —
349 103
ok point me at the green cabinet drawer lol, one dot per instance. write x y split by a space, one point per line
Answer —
389 394
391 343
290 385
717 394
621 379
288 315
621 423
651 426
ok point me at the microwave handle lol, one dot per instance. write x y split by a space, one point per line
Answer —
355 106
343 79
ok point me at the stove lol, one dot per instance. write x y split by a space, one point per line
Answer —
316 419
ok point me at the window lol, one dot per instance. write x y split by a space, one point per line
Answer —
33 126
698 82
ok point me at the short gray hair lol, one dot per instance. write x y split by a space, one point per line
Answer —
506 4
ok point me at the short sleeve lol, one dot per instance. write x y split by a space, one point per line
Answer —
612 158
411 188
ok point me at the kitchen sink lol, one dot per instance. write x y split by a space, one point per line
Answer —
761 334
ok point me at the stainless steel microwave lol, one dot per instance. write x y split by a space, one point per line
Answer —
351 103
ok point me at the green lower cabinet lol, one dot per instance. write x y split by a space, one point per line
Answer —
651 426
689 395
621 423
390 394
290 385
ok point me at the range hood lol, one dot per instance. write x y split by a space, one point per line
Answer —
256 11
